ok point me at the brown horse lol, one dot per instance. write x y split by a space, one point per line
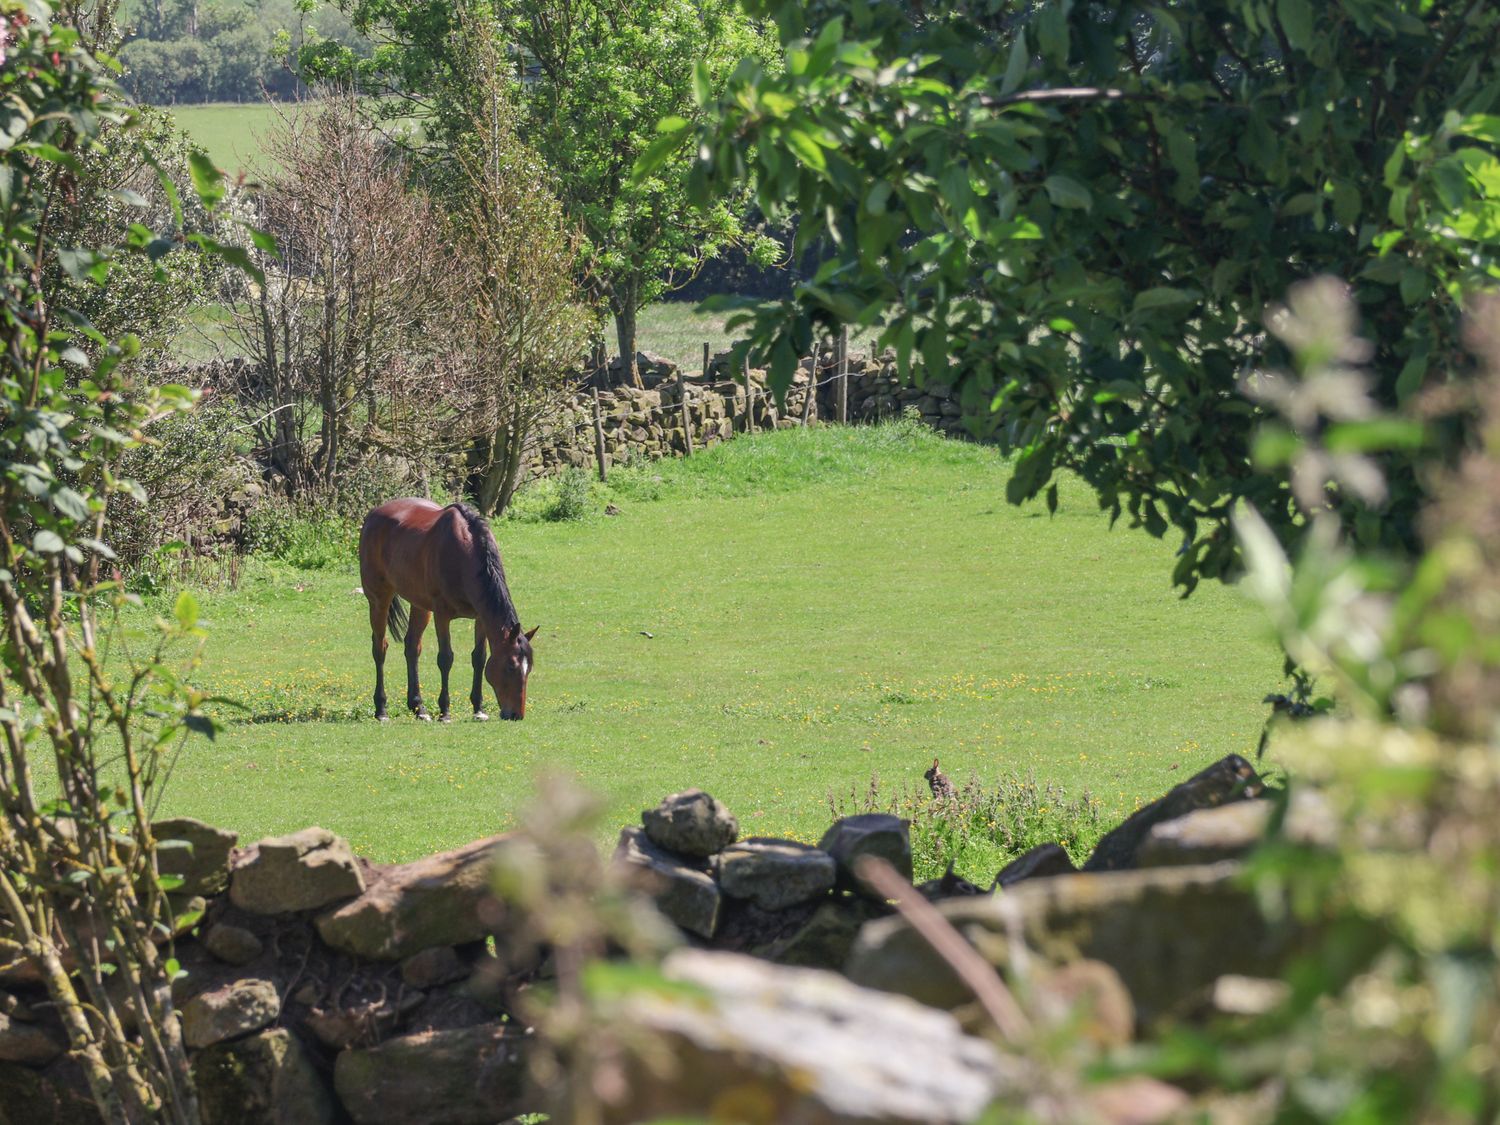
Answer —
445 563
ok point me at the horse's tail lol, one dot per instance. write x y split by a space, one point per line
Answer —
395 619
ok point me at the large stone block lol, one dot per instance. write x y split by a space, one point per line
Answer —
443 899
55 1096
1168 932
684 893
1042 861
691 823
266 1079
197 852
23 1042
762 1042
302 871
1231 778
229 1011
472 1076
775 874
880 835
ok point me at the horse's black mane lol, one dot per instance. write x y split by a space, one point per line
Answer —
491 574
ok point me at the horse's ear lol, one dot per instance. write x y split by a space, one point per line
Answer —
510 634
531 634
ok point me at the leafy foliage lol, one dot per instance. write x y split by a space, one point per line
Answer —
519 321
78 860
1076 211
235 50
595 79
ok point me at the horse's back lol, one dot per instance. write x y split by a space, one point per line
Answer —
416 512
392 537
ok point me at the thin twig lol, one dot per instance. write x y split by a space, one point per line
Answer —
975 972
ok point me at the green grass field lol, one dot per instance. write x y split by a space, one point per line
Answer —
821 605
231 133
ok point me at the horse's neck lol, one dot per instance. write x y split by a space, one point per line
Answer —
493 607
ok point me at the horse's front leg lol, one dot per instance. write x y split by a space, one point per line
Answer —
379 607
414 631
476 696
445 661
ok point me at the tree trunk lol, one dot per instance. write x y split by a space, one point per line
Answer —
624 308
497 478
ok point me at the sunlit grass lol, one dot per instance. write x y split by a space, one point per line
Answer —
820 605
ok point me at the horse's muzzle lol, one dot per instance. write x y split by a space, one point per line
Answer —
507 714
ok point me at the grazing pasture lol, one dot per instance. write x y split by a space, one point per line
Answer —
230 132
773 620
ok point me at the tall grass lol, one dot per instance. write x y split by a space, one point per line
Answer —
982 827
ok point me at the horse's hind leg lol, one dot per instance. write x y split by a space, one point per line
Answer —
445 661
414 630
379 606
476 696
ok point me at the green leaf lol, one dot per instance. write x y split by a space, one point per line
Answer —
1052 31
1346 204
1163 297
1182 151
208 181
935 354
807 149
1416 286
1296 18
656 155
200 723
186 610
1064 191
46 542
703 89
1481 126
1015 67
1376 435
53 155
70 504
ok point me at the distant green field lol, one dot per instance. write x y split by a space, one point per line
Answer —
773 620
230 133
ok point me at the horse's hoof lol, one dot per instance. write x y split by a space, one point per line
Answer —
382 718
481 717
445 718
424 717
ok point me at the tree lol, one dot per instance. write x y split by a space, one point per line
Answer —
355 287
1076 213
595 78
519 321
79 878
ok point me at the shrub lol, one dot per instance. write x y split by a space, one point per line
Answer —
186 469
570 496
982 827
303 535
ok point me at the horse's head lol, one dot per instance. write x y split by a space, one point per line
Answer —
509 665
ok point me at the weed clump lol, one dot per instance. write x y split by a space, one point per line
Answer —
570 497
982 827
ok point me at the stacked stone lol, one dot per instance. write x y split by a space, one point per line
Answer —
780 899
320 987
318 984
876 393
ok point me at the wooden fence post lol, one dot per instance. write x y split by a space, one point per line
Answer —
749 403
812 385
599 436
843 375
687 418
705 359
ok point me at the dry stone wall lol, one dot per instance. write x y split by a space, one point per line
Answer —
321 987
648 423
